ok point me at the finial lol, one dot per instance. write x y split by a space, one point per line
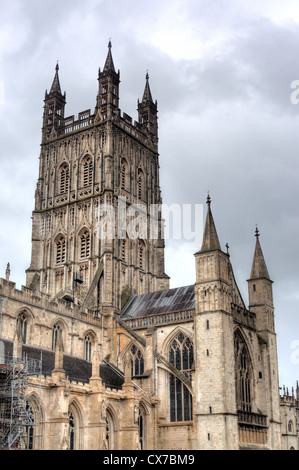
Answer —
109 43
147 75
209 200
227 248
57 66
257 233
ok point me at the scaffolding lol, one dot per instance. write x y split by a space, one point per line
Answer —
19 409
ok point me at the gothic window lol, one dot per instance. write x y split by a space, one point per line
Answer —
181 357
142 428
64 178
140 183
137 361
87 171
87 347
110 431
243 374
72 431
22 318
74 427
290 426
29 430
55 330
60 250
85 245
123 173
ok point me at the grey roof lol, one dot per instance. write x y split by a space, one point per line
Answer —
76 369
164 301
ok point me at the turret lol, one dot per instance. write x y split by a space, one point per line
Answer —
260 290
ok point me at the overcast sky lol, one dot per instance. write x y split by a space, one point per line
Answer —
221 72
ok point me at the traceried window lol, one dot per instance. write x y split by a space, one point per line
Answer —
64 178
60 250
85 244
243 374
22 318
181 357
87 171
87 347
137 361
55 331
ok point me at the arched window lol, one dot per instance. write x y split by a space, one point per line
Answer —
22 318
72 430
290 426
87 347
87 171
243 374
110 431
85 244
55 330
137 361
181 357
142 428
64 178
60 250
32 430
123 173
140 179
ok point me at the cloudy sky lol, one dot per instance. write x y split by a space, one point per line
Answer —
221 72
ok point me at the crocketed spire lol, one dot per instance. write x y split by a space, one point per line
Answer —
259 268
210 238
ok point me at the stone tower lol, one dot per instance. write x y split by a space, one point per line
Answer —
97 171
261 303
215 408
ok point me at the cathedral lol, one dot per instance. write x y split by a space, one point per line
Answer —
97 352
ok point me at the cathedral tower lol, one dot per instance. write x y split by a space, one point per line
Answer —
95 171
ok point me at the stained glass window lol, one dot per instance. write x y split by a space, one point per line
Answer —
181 357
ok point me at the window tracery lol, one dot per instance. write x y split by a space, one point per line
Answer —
181 356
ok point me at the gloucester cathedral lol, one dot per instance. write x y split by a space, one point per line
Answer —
96 351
